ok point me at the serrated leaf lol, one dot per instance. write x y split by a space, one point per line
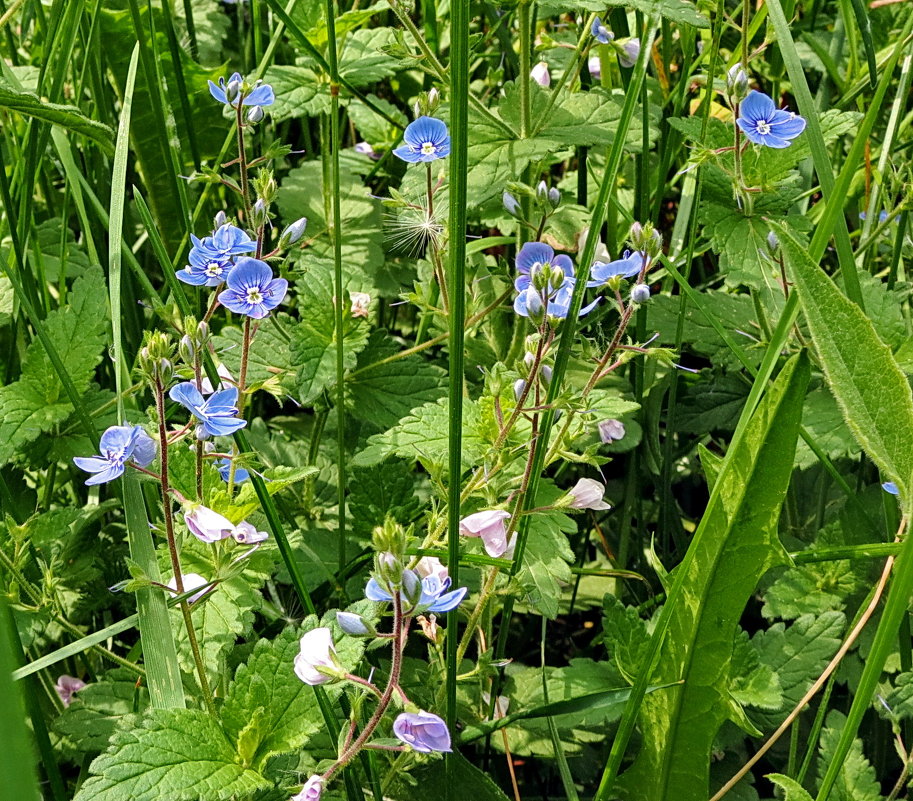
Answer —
856 780
378 494
68 117
736 543
179 754
810 589
794 790
299 92
753 683
36 403
625 636
872 392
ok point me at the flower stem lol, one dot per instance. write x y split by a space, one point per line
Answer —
173 550
242 160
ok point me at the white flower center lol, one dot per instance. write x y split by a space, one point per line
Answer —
763 127
213 269
428 148
254 295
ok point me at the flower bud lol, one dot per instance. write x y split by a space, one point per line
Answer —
557 277
540 74
293 232
434 99
259 213
255 115
187 349
611 430
412 587
629 52
511 204
737 83
540 276
389 570
640 293
773 243
355 625
546 373
232 90
542 192
202 332
220 219
554 197
316 661
534 307
519 388
200 434
364 148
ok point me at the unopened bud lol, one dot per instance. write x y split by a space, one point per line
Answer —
542 191
737 83
232 90
519 388
390 570
259 213
412 587
202 332
554 197
546 373
534 307
355 625
773 243
540 74
200 433
558 276
640 293
255 115
434 99
511 204
220 219
293 232
186 349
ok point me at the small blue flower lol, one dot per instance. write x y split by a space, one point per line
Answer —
629 53
224 468
252 290
602 34
119 444
423 731
627 266
764 124
534 258
426 140
227 241
434 596
891 487
228 93
204 270
217 415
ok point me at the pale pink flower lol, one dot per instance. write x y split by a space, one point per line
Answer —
611 430
191 581
431 566
247 534
316 650
228 380
360 303
540 74
312 790
206 525
587 494
66 686
490 526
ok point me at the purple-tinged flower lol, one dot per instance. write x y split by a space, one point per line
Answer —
764 124
228 93
534 260
118 445
246 534
540 74
594 65
490 526
66 687
431 591
191 581
426 140
537 257
890 487
217 414
316 651
629 53
252 290
611 430
206 525
587 494
312 790
600 32
424 731
224 467
627 266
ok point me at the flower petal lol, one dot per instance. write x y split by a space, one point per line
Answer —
757 106
187 395
533 253
261 96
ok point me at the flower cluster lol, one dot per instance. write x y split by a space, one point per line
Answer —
419 595
212 257
217 414
545 283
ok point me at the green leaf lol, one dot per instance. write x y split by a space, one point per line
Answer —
473 783
856 780
98 710
69 118
794 790
378 494
872 392
752 682
422 436
299 93
179 754
625 636
288 711
36 403
383 394
313 346
675 10
736 543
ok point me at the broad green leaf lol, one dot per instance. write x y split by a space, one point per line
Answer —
625 636
435 782
36 403
734 546
68 117
179 754
378 494
856 780
752 682
872 392
97 711
266 691
313 346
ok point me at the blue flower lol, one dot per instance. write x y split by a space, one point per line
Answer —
252 290
227 241
424 731
217 415
119 444
426 140
629 53
627 266
765 124
434 596
533 259
602 34
204 270
224 468
228 93
891 487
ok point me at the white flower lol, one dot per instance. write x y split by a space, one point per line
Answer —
360 303
540 74
610 430
191 581
247 534
228 380
489 525
207 525
431 566
594 65
316 650
587 494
